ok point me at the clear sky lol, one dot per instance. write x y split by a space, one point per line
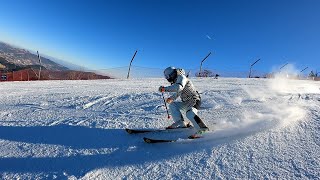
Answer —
102 34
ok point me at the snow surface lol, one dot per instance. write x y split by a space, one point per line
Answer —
262 129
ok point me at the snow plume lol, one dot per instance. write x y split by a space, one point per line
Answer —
281 79
287 71
281 99
286 81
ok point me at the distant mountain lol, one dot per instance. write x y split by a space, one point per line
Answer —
19 64
8 66
16 58
66 64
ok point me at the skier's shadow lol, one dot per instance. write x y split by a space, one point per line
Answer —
75 137
110 147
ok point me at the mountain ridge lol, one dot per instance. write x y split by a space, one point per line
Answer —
23 58
26 66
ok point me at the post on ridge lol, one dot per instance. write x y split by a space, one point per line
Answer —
202 62
131 63
304 69
252 66
40 65
283 66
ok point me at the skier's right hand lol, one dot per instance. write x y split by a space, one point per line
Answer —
161 89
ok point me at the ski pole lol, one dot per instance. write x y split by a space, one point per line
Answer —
165 104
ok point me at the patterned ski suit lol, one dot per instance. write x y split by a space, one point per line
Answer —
191 101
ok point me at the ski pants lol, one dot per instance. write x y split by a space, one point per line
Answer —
176 109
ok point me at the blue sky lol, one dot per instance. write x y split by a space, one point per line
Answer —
101 34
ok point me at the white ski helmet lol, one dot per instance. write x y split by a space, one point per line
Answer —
170 73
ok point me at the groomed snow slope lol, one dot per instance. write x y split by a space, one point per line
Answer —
74 130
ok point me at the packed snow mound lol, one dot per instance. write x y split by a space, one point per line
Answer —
260 128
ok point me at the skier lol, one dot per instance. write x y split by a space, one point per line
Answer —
191 101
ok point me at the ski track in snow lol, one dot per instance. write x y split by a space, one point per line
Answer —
74 129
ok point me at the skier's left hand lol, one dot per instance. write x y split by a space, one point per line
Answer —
169 100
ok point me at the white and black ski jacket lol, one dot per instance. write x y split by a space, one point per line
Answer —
183 88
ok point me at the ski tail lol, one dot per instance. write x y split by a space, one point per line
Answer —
152 141
139 131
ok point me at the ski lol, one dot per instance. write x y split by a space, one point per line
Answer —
149 140
152 141
139 131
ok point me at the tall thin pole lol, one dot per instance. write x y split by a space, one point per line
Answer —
165 104
131 63
283 66
202 62
304 69
15 67
251 67
40 65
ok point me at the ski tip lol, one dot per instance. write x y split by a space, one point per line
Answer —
147 140
129 131
194 137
